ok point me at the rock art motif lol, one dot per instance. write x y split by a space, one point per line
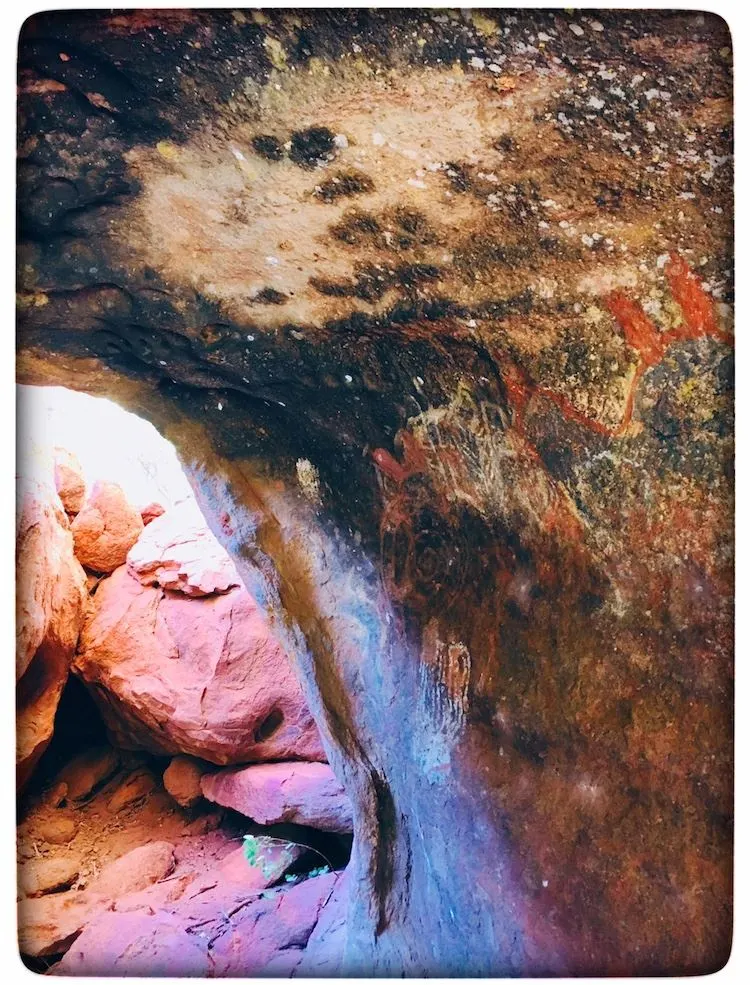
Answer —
437 308
199 676
150 512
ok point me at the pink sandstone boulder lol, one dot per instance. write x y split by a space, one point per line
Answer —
179 552
269 938
50 601
193 936
303 793
136 870
199 676
69 481
106 528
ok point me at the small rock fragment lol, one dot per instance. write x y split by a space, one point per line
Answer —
41 876
182 780
135 870
56 831
87 772
134 788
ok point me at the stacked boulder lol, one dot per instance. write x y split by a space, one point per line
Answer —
147 610
180 660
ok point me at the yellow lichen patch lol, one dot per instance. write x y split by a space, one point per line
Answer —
167 150
483 24
31 300
276 52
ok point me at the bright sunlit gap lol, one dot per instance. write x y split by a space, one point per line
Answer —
111 444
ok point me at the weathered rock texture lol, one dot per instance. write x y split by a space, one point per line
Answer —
106 528
50 600
180 553
200 676
269 793
69 481
182 780
147 883
437 308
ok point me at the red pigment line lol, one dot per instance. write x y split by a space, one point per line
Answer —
696 305
640 332
389 466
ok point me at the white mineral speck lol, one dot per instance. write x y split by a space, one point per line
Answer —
576 29
378 139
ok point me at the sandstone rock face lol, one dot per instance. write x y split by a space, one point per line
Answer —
264 937
182 780
304 793
106 528
49 925
180 553
199 676
326 946
451 369
135 871
69 481
50 601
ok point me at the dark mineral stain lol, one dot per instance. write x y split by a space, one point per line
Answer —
458 177
268 147
415 223
343 185
312 147
506 144
531 745
269 295
373 281
356 228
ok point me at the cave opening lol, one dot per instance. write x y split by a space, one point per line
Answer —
167 760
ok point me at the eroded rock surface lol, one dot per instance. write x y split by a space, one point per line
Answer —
69 481
106 528
437 308
199 676
179 552
303 793
50 602
182 780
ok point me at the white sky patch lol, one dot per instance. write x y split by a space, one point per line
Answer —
111 444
